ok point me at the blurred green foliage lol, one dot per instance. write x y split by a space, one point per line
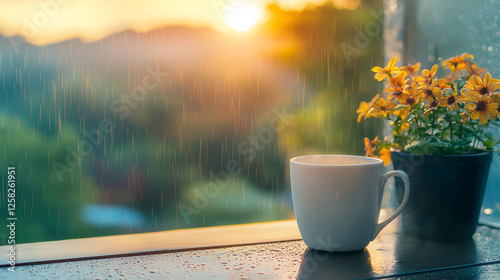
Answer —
144 168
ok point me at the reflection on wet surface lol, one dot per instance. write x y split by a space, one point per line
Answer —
346 265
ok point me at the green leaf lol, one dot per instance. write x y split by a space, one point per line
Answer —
419 131
464 142
488 144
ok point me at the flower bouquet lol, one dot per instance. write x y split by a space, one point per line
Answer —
434 116
440 139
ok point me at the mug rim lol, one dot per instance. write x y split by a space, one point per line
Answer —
374 161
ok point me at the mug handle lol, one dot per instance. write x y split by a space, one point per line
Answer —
401 174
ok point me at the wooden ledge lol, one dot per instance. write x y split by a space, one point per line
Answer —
154 242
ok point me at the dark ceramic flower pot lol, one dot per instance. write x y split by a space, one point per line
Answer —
446 194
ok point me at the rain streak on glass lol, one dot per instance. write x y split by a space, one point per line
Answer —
181 117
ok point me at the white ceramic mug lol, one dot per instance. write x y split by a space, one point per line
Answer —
337 198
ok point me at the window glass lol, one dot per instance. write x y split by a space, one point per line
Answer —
441 29
126 117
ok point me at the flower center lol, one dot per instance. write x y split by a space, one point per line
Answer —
451 100
483 91
428 93
481 106
433 104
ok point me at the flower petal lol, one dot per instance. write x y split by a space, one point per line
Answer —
477 80
483 117
392 62
487 79
474 115
471 106
434 69
492 112
474 98
385 155
467 55
375 98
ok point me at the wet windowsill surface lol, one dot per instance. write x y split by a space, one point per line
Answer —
392 254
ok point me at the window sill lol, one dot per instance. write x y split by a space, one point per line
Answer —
206 253
154 242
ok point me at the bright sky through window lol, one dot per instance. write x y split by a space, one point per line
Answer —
242 17
48 22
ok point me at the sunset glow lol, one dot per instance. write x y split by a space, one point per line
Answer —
51 21
242 17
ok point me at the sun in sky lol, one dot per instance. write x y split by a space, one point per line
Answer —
92 20
243 15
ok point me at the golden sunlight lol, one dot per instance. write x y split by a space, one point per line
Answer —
44 22
242 17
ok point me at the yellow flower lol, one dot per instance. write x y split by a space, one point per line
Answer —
409 100
405 126
385 155
364 108
411 69
427 75
388 71
401 112
431 106
370 146
443 84
451 101
486 86
396 86
496 97
382 107
472 69
410 97
482 108
458 62
429 91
